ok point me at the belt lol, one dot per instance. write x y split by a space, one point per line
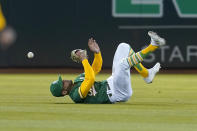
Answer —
108 88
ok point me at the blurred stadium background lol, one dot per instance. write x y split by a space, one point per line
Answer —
51 29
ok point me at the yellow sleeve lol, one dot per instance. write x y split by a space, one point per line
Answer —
2 20
97 63
88 81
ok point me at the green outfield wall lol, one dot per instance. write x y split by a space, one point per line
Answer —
52 28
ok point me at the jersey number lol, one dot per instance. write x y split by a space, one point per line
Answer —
92 91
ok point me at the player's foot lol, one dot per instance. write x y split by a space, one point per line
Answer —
152 72
156 40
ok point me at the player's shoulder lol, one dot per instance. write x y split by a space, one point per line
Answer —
80 78
74 94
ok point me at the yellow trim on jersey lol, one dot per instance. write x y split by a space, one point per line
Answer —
89 78
97 63
2 20
79 91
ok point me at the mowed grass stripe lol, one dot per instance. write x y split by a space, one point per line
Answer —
169 103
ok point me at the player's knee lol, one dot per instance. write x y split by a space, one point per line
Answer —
128 96
123 45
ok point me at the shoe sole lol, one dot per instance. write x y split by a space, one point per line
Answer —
160 41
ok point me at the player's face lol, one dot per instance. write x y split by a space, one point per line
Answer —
67 86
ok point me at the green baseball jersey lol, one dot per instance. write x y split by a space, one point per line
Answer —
96 95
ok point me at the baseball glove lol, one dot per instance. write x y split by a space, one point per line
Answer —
75 57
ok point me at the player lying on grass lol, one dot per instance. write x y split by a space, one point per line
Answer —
117 88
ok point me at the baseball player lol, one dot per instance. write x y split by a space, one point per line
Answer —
2 20
117 88
7 33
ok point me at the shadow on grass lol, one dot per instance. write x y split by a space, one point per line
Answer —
61 103
158 104
164 104
33 103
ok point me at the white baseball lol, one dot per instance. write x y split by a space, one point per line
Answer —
30 55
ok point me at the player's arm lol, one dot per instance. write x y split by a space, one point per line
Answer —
98 61
89 76
88 81
2 20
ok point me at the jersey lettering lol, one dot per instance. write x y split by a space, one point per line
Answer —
92 91
152 8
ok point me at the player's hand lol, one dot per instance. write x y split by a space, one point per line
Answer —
93 45
78 55
82 54
7 37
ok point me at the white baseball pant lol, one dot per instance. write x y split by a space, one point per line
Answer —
120 80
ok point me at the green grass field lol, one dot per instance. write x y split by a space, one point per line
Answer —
168 104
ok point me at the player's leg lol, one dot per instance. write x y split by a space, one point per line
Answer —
136 58
143 71
120 81
122 51
147 74
139 67
121 72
